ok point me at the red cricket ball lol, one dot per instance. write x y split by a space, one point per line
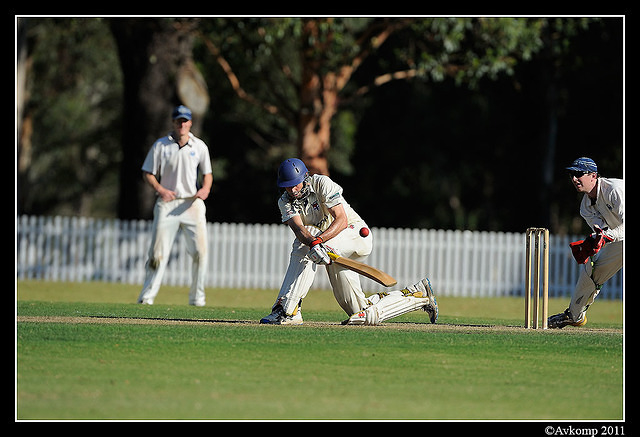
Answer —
364 232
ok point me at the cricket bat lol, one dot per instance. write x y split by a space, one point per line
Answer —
364 269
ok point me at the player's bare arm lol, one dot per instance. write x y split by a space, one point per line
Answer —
207 182
165 194
304 236
338 225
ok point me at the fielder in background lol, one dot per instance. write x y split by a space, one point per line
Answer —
322 220
171 168
602 207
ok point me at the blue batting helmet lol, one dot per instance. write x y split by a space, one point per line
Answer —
291 172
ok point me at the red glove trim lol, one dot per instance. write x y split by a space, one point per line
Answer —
317 240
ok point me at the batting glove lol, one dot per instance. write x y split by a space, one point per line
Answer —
318 252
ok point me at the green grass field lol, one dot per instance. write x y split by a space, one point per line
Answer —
86 351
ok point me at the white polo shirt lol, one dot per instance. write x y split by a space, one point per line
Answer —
177 167
608 209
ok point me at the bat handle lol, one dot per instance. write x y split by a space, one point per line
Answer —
332 255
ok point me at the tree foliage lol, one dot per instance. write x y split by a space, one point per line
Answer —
310 63
74 96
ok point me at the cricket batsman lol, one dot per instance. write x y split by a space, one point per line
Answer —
602 207
322 220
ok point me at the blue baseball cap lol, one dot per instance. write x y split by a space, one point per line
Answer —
181 112
584 164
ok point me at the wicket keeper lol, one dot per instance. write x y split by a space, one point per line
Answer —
602 207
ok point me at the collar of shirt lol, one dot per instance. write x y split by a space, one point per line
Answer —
188 143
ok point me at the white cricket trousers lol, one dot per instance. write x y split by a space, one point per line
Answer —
345 283
189 216
606 263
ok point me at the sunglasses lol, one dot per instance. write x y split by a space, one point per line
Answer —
577 174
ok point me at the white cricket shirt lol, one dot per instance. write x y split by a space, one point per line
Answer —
177 167
608 209
314 209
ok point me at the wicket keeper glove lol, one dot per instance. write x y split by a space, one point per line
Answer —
598 239
579 251
583 249
318 253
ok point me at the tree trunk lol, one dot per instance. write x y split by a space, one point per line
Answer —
317 105
24 120
314 130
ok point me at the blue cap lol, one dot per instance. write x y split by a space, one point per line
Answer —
181 112
584 164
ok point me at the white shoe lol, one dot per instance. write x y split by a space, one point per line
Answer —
145 302
278 317
296 319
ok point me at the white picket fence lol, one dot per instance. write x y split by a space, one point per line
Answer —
458 263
